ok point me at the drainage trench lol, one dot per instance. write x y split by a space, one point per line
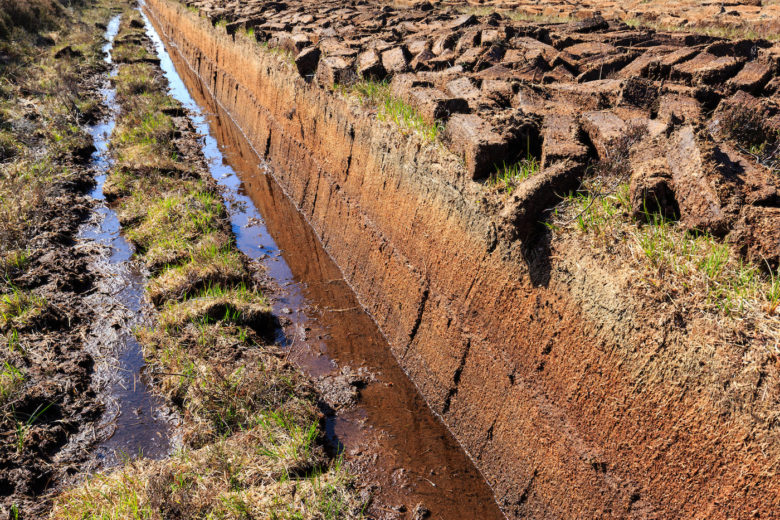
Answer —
135 421
390 434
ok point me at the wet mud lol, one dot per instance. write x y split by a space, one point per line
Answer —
374 414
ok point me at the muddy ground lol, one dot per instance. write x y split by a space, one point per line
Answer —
52 69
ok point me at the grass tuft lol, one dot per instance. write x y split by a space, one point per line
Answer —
376 94
509 176
695 268
19 308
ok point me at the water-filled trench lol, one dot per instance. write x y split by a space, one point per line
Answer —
390 434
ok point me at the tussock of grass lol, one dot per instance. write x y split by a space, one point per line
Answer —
11 378
696 270
30 15
133 54
205 268
509 176
222 375
238 305
9 146
377 94
177 219
18 308
226 480
283 54
175 249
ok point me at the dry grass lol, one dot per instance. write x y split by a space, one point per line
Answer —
729 31
29 15
231 479
43 108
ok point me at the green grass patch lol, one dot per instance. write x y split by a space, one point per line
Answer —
178 219
11 379
19 308
377 94
509 176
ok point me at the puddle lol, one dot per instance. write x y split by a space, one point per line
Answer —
390 433
134 422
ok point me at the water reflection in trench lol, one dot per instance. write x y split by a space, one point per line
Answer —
391 433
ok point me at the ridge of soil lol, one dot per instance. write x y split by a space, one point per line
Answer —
585 374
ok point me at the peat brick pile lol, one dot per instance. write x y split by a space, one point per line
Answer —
755 15
695 117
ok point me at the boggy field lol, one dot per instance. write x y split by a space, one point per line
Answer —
564 219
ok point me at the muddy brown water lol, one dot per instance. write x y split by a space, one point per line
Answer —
390 434
135 422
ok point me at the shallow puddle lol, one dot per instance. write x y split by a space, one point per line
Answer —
134 422
390 433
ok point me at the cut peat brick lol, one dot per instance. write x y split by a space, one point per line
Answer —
395 60
561 140
463 88
752 77
475 141
433 105
757 235
335 70
369 65
523 211
650 189
700 204
603 128
292 43
307 60
677 108
706 69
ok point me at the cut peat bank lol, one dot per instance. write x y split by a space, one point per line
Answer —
621 360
